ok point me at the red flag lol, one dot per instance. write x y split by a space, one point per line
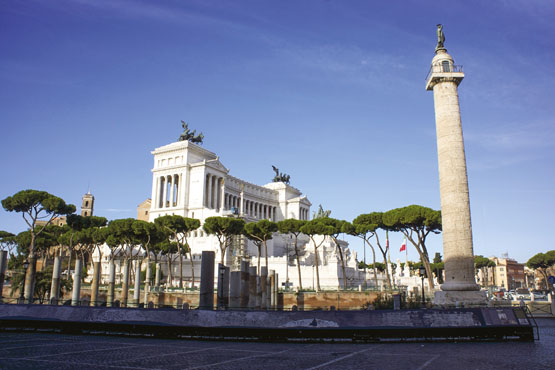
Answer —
404 246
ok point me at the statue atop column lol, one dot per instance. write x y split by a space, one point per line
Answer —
440 38
280 177
187 135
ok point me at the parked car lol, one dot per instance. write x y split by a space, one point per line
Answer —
522 293
539 296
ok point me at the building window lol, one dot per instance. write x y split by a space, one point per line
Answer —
85 213
445 65
501 269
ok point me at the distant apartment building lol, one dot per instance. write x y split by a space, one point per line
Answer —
507 273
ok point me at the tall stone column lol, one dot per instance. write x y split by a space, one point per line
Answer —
460 286
252 287
209 195
206 299
148 278
55 285
235 290
172 188
158 276
111 283
95 282
76 292
263 289
244 284
165 192
137 288
272 295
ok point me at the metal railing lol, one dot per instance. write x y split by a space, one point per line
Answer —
439 68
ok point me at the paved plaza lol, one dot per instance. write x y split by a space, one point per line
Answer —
54 351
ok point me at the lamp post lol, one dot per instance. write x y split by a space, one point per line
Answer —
22 294
422 271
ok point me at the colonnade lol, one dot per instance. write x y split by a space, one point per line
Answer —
259 210
168 193
303 214
213 191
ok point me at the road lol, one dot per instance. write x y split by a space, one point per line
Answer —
55 351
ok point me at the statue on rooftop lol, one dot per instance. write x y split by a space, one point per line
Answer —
321 213
187 135
440 37
280 177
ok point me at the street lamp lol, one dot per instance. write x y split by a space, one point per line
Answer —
422 271
22 293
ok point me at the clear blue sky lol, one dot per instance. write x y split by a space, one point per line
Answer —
331 92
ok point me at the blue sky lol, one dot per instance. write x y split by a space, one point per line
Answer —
331 92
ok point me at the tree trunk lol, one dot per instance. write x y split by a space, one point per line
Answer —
180 267
222 252
259 256
169 279
192 269
316 264
374 264
69 264
266 254
342 265
386 266
29 288
298 264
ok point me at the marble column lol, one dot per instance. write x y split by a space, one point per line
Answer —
460 285
165 192
55 285
209 195
137 288
172 189
76 291
111 284
95 282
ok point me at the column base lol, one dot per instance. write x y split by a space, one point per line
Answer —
454 298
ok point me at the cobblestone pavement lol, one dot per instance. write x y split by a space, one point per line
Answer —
54 351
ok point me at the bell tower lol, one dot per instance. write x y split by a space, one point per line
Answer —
87 207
